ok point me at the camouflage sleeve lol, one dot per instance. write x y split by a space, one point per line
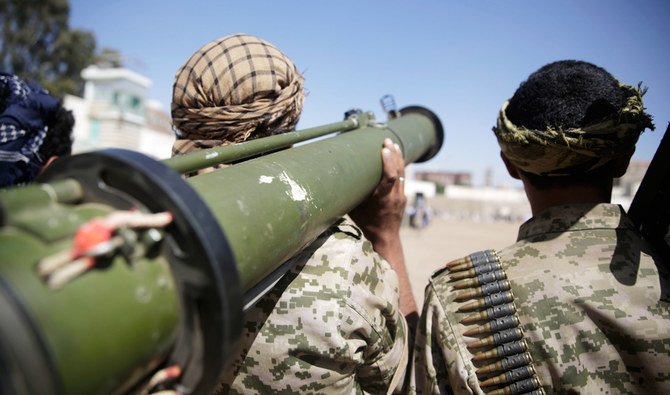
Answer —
331 325
428 364
438 366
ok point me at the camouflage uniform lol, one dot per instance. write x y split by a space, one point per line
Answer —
592 310
331 325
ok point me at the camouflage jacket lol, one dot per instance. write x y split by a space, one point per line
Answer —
586 312
332 324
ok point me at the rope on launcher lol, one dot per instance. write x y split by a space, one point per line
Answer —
95 238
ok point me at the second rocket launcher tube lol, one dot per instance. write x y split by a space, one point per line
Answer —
272 207
234 152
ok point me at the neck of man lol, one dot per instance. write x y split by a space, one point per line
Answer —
543 198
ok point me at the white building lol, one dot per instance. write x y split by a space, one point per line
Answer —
115 112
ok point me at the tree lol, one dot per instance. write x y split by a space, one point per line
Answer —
37 44
109 57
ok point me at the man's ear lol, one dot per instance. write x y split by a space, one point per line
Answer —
511 169
620 163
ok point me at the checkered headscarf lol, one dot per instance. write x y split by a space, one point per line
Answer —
235 88
26 110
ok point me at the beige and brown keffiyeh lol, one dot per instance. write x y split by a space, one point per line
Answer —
233 89
557 152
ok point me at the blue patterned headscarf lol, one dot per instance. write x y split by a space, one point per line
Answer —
23 125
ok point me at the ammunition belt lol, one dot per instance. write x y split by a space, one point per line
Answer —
500 352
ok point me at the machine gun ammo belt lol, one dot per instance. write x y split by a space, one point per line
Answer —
486 303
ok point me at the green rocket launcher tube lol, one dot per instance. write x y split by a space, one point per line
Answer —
117 275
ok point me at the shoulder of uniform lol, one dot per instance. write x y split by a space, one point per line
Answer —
348 227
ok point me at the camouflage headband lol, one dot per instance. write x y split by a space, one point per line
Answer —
233 89
557 152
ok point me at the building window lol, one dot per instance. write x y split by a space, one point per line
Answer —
94 136
135 102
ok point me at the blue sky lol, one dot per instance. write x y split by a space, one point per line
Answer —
461 59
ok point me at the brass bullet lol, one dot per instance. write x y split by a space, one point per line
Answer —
498 338
486 289
520 387
503 350
459 275
467 283
496 325
457 262
513 375
467 271
490 313
474 259
511 362
488 301
483 278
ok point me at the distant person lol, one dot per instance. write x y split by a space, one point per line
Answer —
578 304
241 87
421 213
35 130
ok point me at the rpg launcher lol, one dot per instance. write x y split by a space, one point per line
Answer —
118 275
649 209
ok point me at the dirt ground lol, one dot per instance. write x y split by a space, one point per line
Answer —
428 249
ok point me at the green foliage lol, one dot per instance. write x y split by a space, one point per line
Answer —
109 57
37 44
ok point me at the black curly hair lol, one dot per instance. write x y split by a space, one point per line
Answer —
4 92
59 139
565 94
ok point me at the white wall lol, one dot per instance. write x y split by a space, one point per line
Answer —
80 110
156 144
